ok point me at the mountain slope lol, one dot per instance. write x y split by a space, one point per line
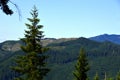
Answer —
105 37
103 57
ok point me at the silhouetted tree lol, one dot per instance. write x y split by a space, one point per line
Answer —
32 65
5 8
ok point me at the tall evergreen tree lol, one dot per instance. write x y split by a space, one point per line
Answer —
32 65
81 67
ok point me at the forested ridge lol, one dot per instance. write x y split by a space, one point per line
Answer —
103 57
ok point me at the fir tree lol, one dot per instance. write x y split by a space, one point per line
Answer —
81 66
32 65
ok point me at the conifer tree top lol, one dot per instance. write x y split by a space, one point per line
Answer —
32 64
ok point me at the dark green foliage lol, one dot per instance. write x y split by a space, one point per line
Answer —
96 77
5 8
102 57
118 76
32 65
110 79
81 66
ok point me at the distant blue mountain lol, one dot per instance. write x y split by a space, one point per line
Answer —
106 37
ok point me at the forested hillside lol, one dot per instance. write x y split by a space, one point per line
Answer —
103 58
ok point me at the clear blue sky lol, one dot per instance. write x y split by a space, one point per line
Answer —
64 18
